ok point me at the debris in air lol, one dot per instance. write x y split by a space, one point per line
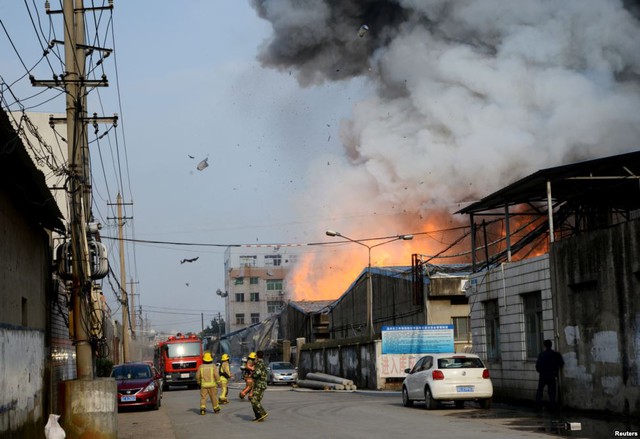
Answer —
189 260
190 156
203 164
363 30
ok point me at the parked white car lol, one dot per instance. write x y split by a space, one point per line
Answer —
447 377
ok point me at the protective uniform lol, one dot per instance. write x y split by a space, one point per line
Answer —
247 375
208 379
259 386
225 376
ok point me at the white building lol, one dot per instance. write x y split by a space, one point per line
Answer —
255 283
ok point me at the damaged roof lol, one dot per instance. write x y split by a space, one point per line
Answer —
611 182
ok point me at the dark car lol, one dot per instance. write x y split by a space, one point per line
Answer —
139 385
282 372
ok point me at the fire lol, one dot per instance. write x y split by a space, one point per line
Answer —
325 272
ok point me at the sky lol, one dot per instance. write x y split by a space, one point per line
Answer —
310 121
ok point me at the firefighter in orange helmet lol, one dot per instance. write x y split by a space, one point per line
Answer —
247 375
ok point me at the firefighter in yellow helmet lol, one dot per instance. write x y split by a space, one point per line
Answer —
225 376
247 375
208 379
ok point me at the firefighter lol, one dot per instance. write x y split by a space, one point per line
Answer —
225 376
208 379
259 386
247 375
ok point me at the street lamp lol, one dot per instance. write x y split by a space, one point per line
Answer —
369 281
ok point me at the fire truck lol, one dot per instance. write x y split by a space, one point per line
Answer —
178 358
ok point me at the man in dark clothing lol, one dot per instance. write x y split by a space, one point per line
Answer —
548 364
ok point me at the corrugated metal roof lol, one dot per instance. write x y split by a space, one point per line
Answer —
609 181
311 306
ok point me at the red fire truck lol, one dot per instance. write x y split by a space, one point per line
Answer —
178 359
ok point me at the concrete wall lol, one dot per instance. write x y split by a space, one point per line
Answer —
513 374
597 286
24 281
351 359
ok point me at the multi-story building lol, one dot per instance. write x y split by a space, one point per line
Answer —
255 283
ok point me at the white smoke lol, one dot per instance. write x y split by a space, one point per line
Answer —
473 94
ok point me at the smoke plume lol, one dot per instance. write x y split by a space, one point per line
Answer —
471 95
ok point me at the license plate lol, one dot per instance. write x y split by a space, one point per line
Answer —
464 389
128 398
184 375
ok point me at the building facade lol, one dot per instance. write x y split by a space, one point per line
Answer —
255 284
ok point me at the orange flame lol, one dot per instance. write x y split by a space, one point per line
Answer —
326 271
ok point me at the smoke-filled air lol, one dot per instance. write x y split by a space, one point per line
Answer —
470 95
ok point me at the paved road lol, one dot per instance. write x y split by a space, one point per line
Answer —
317 414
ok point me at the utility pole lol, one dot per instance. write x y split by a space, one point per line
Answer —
82 395
77 143
123 282
134 314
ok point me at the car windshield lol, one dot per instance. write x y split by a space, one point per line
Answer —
178 350
459 363
281 366
131 372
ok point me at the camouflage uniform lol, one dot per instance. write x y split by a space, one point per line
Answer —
259 386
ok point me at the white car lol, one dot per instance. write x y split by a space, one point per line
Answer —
447 377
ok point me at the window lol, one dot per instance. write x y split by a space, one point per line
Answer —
274 306
492 328
239 297
248 261
255 297
239 280
239 319
274 284
461 327
255 317
254 280
532 309
273 260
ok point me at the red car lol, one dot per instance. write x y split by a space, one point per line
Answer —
138 385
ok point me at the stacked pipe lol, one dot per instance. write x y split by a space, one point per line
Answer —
323 381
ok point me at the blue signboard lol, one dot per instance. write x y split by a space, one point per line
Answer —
417 339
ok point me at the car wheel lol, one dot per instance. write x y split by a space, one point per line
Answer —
485 403
459 404
405 398
429 402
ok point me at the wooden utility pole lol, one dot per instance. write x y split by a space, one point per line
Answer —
123 285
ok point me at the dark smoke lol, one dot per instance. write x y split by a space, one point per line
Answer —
320 38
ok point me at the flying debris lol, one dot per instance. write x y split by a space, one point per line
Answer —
187 284
363 30
190 156
203 164
189 260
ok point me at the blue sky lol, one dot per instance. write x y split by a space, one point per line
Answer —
190 84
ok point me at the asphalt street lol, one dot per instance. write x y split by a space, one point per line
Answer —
319 414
